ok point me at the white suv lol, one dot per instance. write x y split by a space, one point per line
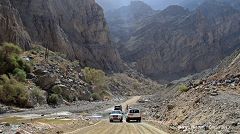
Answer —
116 115
133 114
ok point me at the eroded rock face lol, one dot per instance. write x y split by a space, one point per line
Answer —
76 28
124 20
176 42
11 27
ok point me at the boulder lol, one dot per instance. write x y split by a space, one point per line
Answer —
46 81
31 76
214 93
40 71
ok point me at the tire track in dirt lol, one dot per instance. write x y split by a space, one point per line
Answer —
119 128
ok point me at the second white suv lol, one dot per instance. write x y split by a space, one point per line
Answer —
133 114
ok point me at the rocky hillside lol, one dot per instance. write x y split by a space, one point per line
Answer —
176 42
207 105
56 80
74 27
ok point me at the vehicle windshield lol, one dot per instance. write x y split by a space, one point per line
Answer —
116 112
134 111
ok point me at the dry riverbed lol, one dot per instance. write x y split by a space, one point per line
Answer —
47 120
67 120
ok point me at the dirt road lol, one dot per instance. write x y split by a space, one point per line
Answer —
133 100
104 127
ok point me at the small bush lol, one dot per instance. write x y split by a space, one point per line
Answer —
13 92
94 76
28 67
10 48
183 88
20 74
10 59
53 99
57 90
96 96
3 79
38 95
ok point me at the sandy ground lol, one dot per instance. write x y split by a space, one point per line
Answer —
104 127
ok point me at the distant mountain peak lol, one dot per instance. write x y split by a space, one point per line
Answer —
140 4
174 10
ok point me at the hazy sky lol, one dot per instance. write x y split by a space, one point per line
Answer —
156 4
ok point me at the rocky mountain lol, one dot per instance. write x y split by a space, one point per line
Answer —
124 20
234 3
11 26
155 4
209 104
177 42
109 5
76 28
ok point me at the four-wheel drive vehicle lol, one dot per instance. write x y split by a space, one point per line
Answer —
116 115
133 114
118 107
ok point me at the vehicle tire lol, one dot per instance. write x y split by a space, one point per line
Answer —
121 120
139 119
110 121
127 120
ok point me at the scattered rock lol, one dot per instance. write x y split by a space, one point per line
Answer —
46 81
7 124
91 123
59 132
235 124
31 76
181 128
214 93
170 107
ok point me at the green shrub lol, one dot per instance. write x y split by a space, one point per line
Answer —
3 79
96 96
19 74
183 88
104 93
28 67
10 59
94 76
38 95
53 99
9 49
97 78
13 92
57 90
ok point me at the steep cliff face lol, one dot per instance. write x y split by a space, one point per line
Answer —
11 27
124 20
74 27
175 42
